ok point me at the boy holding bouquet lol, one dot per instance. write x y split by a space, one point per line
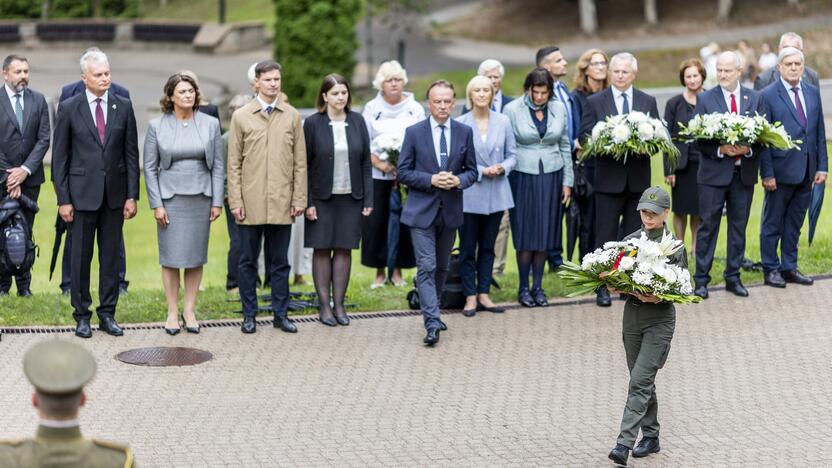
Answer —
648 327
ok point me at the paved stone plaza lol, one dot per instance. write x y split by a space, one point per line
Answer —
746 384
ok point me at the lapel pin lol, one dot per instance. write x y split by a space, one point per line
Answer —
114 106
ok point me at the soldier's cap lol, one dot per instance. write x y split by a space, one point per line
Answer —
654 199
58 367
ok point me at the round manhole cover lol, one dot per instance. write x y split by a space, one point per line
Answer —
164 356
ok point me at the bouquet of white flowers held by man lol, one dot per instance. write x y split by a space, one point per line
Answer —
634 134
736 129
637 265
387 147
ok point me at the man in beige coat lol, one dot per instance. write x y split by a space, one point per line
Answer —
266 190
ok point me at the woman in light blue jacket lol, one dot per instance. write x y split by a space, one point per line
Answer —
484 202
541 183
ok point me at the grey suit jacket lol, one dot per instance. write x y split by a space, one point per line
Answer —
491 194
163 184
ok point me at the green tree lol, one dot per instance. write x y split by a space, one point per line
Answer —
312 39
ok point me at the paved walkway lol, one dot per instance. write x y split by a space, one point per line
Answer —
746 385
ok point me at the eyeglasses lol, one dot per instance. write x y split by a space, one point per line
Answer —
598 64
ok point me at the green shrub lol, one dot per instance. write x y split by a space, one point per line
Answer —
312 39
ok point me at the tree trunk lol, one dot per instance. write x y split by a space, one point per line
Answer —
586 12
724 9
651 15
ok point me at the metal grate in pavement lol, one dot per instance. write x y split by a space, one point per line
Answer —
312 318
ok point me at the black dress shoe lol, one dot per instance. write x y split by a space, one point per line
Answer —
619 455
602 297
540 298
24 293
794 276
285 324
432 337
469 312
109 326
701 290
525 298
82 329
195 330
495 309
172 331
442 326
773 278
343 320
249 325
737 288
329 321
646 446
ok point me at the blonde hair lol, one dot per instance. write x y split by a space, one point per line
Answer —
476 81
387 71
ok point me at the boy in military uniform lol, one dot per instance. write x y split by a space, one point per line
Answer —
647 330
59 370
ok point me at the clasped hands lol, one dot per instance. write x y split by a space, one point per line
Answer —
734 150
14 180
493 171
444 180
646 298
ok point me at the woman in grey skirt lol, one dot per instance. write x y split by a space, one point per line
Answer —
340 193
184 169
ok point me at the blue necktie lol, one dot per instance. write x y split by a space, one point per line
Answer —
798 106
18 111
443 148
570 125
269 110
625 108
493 106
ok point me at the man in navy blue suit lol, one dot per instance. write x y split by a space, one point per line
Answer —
727 175
67 91
788 175
437 163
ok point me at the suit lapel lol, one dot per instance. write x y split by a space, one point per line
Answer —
428 139
719 99
609 100
784 96
112 115
28 108
87 118
746 104
6 103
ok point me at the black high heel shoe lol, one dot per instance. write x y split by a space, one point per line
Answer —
173 331
194 330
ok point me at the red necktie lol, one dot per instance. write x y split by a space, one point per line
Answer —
733 104
99 120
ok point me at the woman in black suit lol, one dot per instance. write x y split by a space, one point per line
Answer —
682 180
340 192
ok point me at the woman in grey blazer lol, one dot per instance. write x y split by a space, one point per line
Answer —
484 202
541 182
184 169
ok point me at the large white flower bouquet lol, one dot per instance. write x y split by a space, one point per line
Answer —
633 134
387 146
736 129
637 265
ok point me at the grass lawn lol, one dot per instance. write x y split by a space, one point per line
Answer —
145 302
208 10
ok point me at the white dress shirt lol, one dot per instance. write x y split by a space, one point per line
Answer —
265 105
497 102
91 100
619 101
11 94
437 132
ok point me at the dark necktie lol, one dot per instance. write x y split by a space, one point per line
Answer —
99 120
18 111
269 110
625 107
443 148
798 106
733 104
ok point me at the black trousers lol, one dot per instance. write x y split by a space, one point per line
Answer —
276 237
233 258
615 216
23 280
66 269
737 197
477 237
105 225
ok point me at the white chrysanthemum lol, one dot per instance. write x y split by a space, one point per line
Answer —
646 131
599 128
620 133
626 263
637 117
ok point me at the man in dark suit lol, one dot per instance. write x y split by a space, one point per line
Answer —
95 169
727 175
24 133
788 176
437 162
618 185
552 59
68 91
772 75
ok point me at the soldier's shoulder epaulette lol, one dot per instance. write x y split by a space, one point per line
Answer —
128 454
